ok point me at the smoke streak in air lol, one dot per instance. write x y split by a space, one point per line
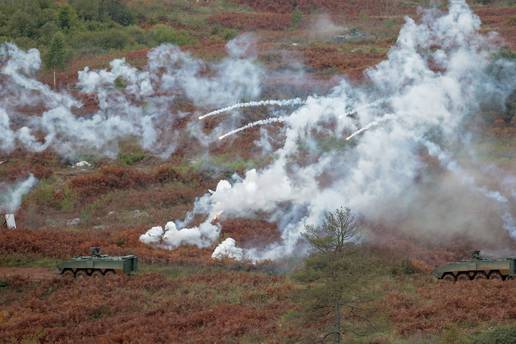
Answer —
385 118
266 121
269 102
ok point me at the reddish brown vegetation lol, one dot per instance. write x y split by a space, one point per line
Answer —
251 233
60 244
502 20
20 164
350 8
437 305
353 65
111 178
27 273
252 21
147 308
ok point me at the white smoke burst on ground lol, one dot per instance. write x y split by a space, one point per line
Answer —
434 80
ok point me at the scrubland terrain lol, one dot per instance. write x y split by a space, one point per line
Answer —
183 295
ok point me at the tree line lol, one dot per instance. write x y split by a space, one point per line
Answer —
62 30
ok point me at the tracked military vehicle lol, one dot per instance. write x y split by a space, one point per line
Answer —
98 265
477 267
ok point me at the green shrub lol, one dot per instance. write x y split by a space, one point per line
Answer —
103 10
46 195
506 53
497 335
24 42
21 24
137 34
164 34
297 17
92 42
224 32
129 159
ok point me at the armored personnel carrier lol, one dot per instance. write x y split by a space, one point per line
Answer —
477 267
98 265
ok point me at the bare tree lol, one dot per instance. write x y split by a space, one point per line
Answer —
337 230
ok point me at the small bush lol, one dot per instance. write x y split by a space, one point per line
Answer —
297 17
164 34
93 42
498 335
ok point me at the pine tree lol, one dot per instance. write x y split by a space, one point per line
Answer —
66 17
56 54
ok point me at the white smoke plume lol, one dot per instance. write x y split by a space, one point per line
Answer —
11 196
434 80
228 249
323 27
131 102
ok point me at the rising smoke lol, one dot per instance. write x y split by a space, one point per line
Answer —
435 79
131 103
11 196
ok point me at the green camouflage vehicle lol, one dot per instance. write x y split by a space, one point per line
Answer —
98 265
477 268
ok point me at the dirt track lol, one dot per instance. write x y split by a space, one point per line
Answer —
30 273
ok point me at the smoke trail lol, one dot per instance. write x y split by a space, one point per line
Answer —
269 102
11 195
254 124
385 118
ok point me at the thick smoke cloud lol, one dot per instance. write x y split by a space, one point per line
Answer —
131 102
435 79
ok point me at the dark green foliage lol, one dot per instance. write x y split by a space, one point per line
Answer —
129 159
297 17
120 83
164 34
498 335
66 17
47 32
56 52
88 27
100 42
21 25
87 9
118 12
506 53
103 10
